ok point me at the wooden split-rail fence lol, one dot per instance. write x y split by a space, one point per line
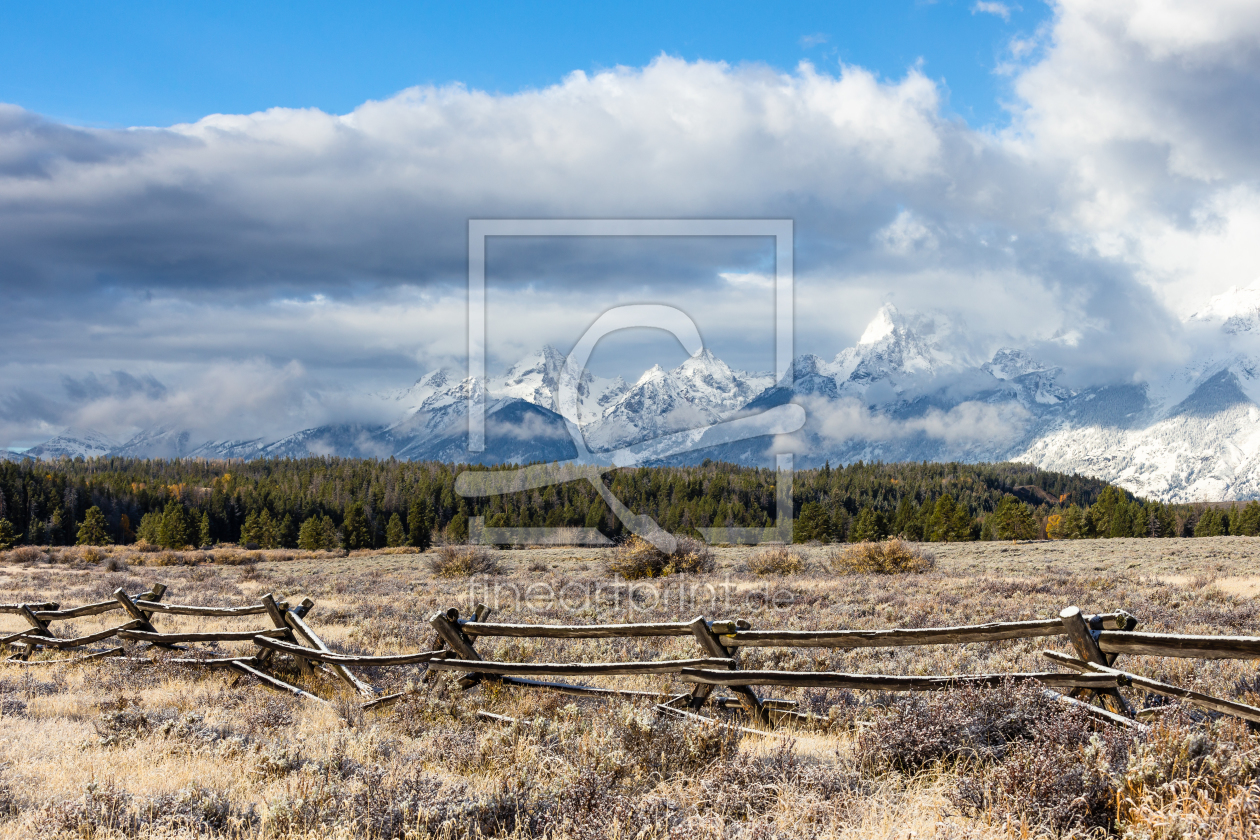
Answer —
1092 681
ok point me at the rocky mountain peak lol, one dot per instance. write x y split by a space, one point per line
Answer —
1008 363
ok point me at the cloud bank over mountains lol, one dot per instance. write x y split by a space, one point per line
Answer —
247 275
906 391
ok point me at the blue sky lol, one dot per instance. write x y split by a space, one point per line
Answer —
158 63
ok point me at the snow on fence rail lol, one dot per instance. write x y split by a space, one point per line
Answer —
1097 641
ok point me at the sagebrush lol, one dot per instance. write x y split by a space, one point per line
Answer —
636 558
890 557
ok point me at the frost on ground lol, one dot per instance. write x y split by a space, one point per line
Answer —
115 750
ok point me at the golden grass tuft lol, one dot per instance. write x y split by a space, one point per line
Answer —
458 561
636 558
891 557
777 560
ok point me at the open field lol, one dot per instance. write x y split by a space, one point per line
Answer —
108 748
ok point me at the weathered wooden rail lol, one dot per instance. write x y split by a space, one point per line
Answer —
1092 681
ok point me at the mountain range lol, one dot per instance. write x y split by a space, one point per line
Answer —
908 390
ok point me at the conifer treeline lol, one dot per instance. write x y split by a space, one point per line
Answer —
330 502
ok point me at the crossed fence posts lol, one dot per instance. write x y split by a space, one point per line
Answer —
1092 682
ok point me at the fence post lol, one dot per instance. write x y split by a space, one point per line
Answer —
710 643
1087 649
297 626
277 621
38 624
447 626
120 595
1125 623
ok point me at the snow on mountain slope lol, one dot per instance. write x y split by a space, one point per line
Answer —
896 355
224 449
707 381
410 400
73 443
516 432
341 440
656 405
699 392
160 441
536 379
1206 448
1236 311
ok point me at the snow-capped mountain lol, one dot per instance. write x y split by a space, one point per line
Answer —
914 387
701 391
73 443
896 354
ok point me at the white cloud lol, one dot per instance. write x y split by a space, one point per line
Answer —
1123 196
988 8
745 279
965 424
905 234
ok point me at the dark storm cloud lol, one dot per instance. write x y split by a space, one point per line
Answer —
114 384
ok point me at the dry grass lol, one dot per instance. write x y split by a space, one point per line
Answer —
777 560
637 559
116 750
891 557
462 561
143 554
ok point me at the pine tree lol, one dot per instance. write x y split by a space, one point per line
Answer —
1013 520
961 526
266 530
868 527
94 530
1249 520
905 520
355 528
57 527
7 538
249 530
150 526
1071 525
330 538
1211 524
309 535
288 532
813 525
457 529
204 538
420 518
394 534
175 529
942 519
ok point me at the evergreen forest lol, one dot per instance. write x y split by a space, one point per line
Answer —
333 503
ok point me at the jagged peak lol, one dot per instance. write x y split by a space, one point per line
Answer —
886 322
704 361
652 374
547 359
1010 362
